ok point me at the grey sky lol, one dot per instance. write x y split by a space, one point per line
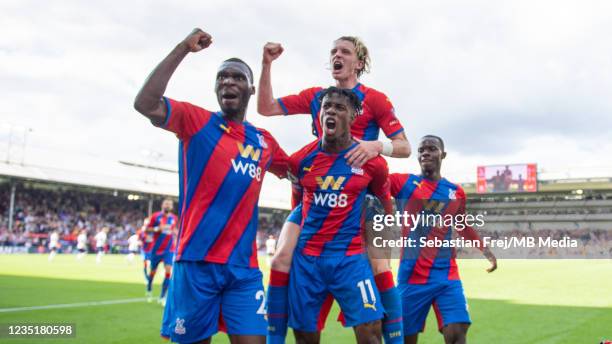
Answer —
512 82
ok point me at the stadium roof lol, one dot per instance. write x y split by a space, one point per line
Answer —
103 174
129 176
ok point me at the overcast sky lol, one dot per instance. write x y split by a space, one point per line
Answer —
501 82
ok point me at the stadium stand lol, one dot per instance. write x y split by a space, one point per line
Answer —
42 207
48 199
579 209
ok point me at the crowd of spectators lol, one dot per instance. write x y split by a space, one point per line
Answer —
42 210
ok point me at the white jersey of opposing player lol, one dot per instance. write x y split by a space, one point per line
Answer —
133 243
54 240
82 241
270 246
100 239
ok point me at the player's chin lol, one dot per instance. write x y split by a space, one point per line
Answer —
230 110
428 165
338 74
330 133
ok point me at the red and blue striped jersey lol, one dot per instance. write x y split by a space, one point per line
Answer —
221 169
378 112
333 196
414 194
162 241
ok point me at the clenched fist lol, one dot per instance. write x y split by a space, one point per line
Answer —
197 40
271 52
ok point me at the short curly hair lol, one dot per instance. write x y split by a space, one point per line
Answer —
362 52
349 94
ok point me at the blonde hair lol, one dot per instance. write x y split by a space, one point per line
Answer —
362 52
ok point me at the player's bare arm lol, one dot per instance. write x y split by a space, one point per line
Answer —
471 234
380 258
149 100
491 258
399 147
266 104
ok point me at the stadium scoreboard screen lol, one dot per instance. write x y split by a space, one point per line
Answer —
507 178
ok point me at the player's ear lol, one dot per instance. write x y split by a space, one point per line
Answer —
443 155
252 89
353 116
360 65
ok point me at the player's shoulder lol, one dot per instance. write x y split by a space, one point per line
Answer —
455 189
399 177
397 182
314 89
371 93
297 159
311 91
306 150
377 99
265 137
263 132
172 103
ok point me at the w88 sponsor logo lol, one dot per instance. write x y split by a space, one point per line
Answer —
247 168
330 200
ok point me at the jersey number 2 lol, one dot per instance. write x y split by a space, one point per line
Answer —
262 307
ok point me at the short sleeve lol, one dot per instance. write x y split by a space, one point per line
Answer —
396 183
379 185
461 198
293 165
298 103
279 163
293 176
184 119
385 116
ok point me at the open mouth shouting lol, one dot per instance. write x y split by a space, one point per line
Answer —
337 66
330 125
229 97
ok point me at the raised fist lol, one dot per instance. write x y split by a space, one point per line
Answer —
197 40
271 51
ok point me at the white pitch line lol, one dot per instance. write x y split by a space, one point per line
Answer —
71 305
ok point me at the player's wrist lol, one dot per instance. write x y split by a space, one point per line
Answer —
386 148
182 48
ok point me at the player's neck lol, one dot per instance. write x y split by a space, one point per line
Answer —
349 83
238 117
336 146
433 176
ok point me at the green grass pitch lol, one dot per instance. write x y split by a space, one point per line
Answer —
525 301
